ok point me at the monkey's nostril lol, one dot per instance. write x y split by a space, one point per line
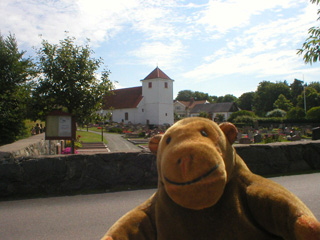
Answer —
179 161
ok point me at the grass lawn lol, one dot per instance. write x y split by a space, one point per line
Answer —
90 137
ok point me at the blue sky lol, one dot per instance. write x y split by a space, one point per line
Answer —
213 46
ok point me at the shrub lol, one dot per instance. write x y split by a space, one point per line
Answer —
116 130
244 120
295 113
276 113
234 115
313 113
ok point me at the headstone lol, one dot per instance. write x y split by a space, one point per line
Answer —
316 133
257 138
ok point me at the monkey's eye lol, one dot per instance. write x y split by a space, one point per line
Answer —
168 140
204 133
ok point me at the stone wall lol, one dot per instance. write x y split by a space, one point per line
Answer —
70 174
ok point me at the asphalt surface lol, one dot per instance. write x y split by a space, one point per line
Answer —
116 143
89 216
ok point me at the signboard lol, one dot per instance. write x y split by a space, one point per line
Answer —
60 125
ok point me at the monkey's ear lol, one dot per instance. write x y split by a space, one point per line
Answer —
230 131
154 143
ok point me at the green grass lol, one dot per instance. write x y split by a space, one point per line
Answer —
89 137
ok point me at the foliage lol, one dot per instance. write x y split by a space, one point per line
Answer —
116 130
276 113
296 89
267 93
313 113
311 47
295 113
15 75
245 101
312 98
315 85
68 79
185 95
220 117
226 98
283 103
204 114
245 119
234 115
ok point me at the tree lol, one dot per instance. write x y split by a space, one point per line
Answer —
15 76
276 113
296 89
313 113
227 98
68 79
312 98
311 47
245 101
315 85
185 95
295 113
267 93
283 103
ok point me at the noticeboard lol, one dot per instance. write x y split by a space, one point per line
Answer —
60 125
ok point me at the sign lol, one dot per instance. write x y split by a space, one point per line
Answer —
60 125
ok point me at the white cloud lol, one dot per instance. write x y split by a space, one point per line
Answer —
165 55
222 16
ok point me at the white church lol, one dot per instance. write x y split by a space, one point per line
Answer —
150 104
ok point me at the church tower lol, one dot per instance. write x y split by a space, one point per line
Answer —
157 91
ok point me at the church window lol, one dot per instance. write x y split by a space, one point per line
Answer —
126 116
165 85
150 84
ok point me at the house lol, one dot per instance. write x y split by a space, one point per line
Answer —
182 108
225 109
152 103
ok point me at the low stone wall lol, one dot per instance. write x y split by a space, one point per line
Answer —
32 146
51 175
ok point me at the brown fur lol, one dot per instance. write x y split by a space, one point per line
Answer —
205 191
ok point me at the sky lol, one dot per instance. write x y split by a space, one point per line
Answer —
214 46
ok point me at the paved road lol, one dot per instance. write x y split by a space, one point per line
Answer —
116 143
87 217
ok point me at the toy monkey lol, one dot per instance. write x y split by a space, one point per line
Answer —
206 192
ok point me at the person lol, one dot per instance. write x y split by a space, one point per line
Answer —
37 128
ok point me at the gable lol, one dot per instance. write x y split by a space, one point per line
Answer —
157 73
123 98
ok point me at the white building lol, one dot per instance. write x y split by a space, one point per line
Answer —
150 104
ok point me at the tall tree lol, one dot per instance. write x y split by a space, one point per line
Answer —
69 80
245 101
310 97
15 74
185 95
267 93
311 47
283 103
296 89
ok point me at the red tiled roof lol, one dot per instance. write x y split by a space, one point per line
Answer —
123 98
157 73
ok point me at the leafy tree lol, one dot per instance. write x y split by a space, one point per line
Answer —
227 98
204 114
315 85
311 47
312 98
220 117
185 95
15 75
267 93
245 101
295 113
68 79
296 89
283 103
313 113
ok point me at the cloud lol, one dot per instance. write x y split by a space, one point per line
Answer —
267 49
223 16
166 55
